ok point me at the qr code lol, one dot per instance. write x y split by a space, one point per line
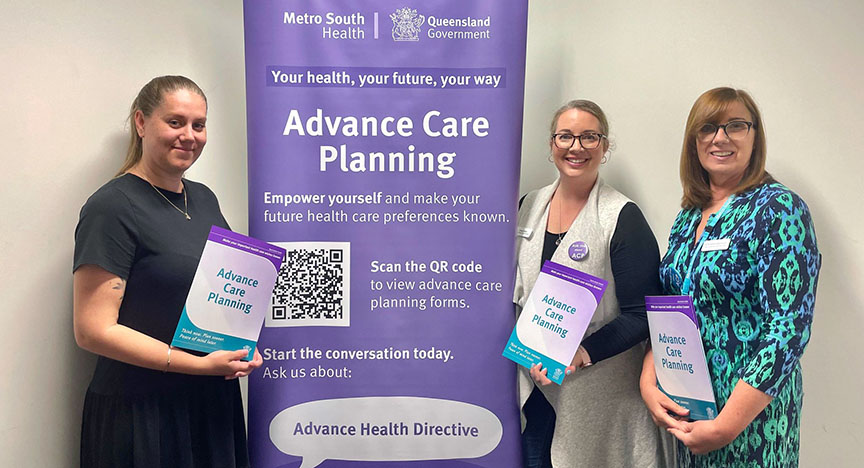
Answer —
313 286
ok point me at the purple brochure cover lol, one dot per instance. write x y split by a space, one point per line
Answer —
679 357
554 320
247 244
230 294
597 286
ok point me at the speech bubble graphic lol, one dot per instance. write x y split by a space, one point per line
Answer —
385 429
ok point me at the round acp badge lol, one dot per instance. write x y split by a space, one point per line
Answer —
578 250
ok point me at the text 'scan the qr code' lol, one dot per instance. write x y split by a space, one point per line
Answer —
313 286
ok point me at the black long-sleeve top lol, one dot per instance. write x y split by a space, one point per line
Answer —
635 261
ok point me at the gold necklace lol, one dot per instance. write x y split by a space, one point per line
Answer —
185 202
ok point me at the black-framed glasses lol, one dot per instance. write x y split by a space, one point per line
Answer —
589 140
735 130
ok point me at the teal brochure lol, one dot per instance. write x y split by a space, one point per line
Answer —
554 319
230 294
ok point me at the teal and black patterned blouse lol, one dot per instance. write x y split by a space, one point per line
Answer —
754 302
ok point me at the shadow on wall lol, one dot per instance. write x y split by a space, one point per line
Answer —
623 180
545 76
87 173
92 172
78 370
837 324
838 282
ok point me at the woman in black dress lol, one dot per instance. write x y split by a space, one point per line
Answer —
137 245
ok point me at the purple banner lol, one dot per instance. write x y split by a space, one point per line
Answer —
384 142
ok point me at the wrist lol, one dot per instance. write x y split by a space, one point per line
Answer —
185 363
168 360
586 357
646 383
724 431
648 377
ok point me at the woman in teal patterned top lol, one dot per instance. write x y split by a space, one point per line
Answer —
753 289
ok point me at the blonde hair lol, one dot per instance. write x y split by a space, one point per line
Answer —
583 105
148 99
707 109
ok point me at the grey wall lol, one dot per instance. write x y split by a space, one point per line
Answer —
68 73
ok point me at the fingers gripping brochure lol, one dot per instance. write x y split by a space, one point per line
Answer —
554 319
679 358
230 294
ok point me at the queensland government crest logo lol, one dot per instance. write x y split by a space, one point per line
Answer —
556 374
406 24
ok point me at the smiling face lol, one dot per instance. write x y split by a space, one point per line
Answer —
726 159
174 134
578 162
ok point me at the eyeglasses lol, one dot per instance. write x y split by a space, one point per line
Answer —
736 130
586 140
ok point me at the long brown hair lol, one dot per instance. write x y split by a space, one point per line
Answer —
707 109
148 99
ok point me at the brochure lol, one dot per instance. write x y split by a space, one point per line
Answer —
554 319
230 294
679 358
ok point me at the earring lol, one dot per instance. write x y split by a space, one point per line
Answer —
549 158
604 159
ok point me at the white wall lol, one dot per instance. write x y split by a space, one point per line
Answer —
70 70
68 73
646 62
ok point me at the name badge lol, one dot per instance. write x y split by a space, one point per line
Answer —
715 244
524 232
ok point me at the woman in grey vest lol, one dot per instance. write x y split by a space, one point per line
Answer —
596 417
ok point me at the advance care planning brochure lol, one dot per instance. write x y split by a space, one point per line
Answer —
230 294
554 319
679 358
